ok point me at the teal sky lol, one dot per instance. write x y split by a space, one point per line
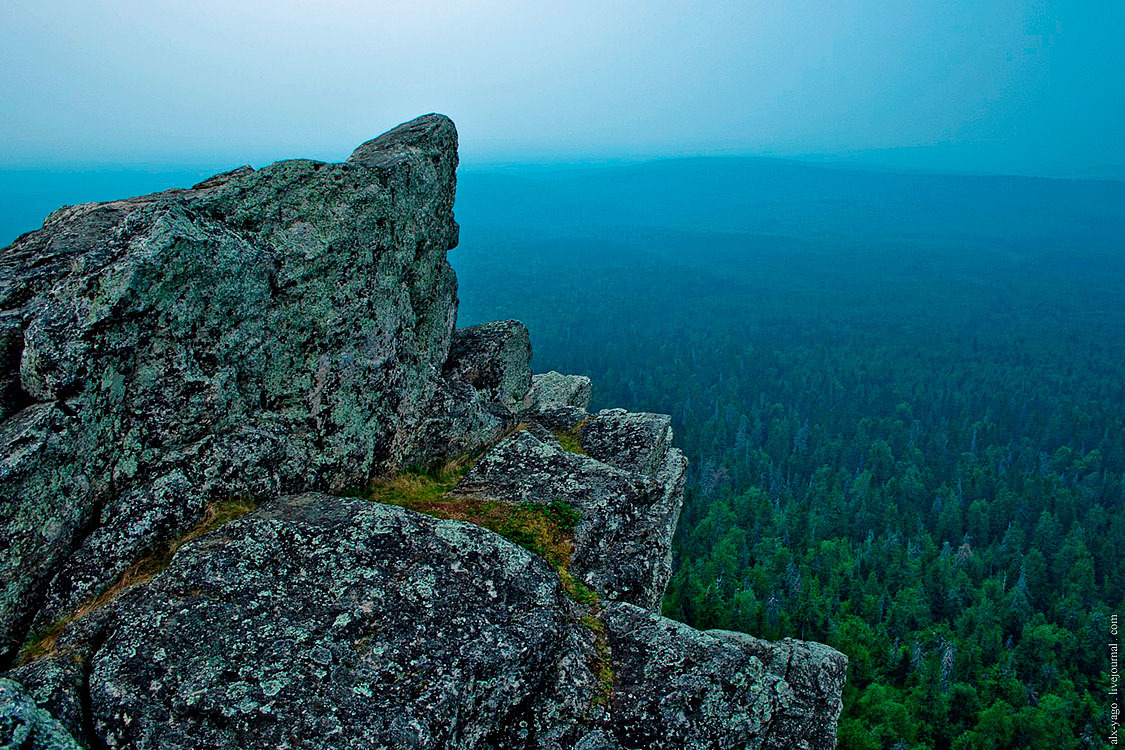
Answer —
1020 86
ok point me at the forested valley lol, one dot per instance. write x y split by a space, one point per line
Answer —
903 397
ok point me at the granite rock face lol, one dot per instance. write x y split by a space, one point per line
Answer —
269 330
285 334
26 726
623 544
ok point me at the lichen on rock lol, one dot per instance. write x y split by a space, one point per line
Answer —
287 334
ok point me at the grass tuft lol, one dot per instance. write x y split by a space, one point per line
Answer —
547 530
571 440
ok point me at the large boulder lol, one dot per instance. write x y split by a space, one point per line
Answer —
269 330
623 543
319 621
677 688
459 421
494 358
636 442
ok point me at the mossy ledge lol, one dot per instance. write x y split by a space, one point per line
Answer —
601 664
571 440
547 530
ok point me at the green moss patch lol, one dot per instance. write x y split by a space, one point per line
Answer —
601 664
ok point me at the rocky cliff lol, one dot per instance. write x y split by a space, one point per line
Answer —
257 491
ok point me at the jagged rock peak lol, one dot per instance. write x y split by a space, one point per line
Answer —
431 136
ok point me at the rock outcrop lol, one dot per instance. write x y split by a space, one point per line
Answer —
26 726
267 331
288 334
677 687
623 544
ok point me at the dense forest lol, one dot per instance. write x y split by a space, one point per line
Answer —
903 400
903 397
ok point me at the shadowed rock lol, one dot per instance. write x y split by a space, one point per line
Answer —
459 420
494 358
25 726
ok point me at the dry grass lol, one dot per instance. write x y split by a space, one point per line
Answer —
142 571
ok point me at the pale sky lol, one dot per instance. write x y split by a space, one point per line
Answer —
983 85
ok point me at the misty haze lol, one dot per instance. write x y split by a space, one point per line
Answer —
712 375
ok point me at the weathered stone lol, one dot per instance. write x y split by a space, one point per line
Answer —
274 329
550 390
25 726
564 709
815 674
327 622
599 739
623 543
459 421
494 358
292 329
631 441
56 685
559 418
12 397
678 688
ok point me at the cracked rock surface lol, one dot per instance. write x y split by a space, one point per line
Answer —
286 334
369 626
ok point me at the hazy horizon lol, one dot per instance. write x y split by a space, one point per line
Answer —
1011 87
28 195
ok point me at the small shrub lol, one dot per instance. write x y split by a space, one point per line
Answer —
562 514
515 533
